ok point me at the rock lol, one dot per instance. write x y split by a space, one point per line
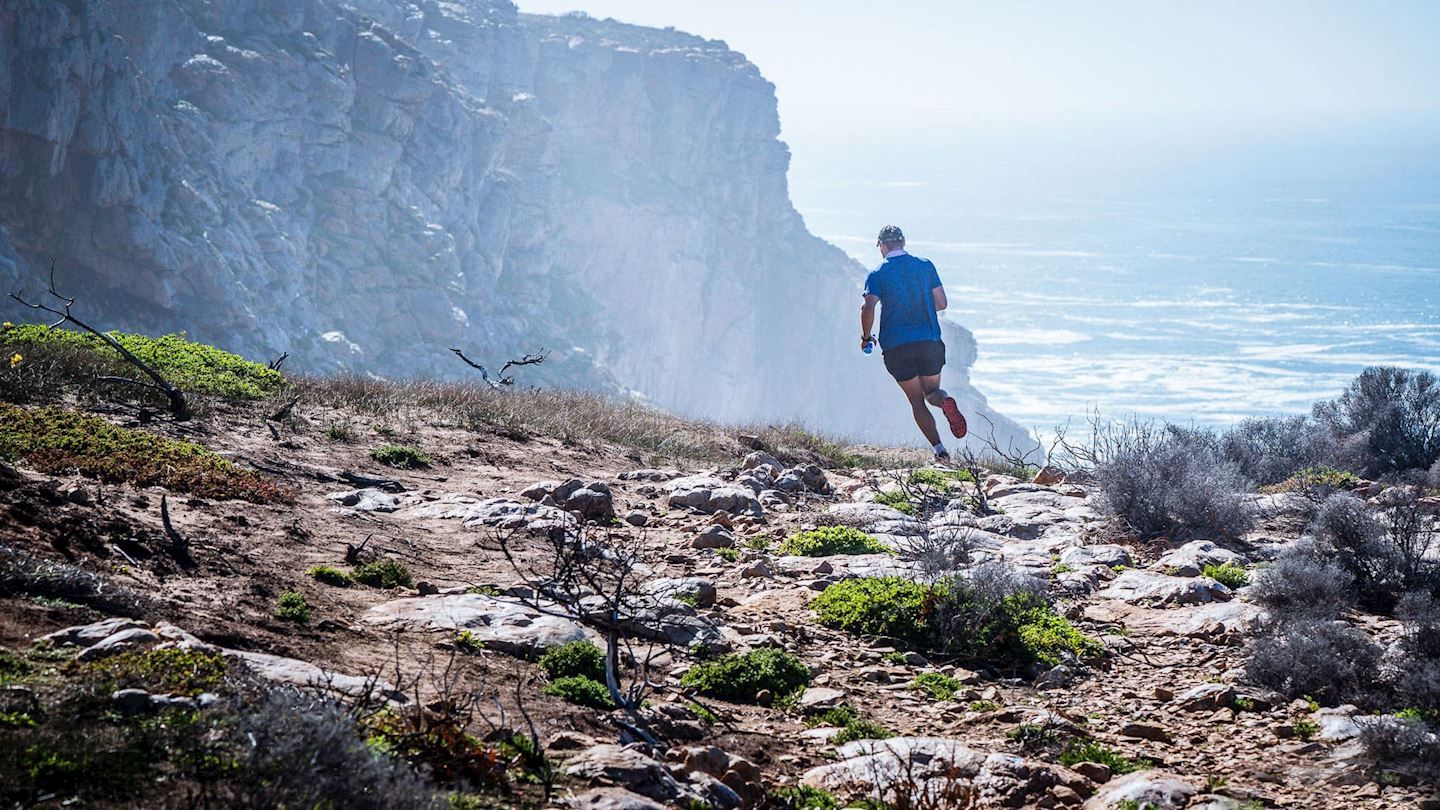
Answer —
502 624
655 476
636 771
84 635
295 672
1337 723
1136 586
820 697
809 478
1145 731
876 518
1048 477
367 500
540 490
593 501
613 798
122 641
740 775
1057 677
1101 554
1216 621
757 569
928 766
762 461
714 537
710 494
502 513
568 741
1094 771
131 701
1206 697
697 589
637 518
1161 790
1190 559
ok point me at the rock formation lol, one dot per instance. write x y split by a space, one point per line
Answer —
366 183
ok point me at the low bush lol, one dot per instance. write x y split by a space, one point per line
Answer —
292 607
1322 480
400 455
383 574
861 730
1404 741
574 659
803 797
581 691
1269 451
68 356
1231 575
1330 661
831 540
937 478
1077 751
1174 484
1415 658
1388 419
740 677
1345 531
890 607
937 685
60 441
897 500
1300 584
169 670
330 576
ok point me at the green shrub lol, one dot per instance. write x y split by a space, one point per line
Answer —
937 478
581 691
1231 575
383 574
574 659
171 670
937 685
983 706
1304 728
827 541
293 607
727 554
466 641
877 606
400 455
897 500
740 677
1045 634
56 440
1321 477
861 730
803 797
1077 751
187 365
330 576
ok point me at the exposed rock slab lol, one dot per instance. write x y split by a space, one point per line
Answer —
502 624
1149 587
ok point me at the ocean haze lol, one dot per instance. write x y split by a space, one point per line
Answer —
1167 279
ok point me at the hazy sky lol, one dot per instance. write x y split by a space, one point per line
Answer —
867 71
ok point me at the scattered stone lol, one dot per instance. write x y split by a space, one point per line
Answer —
1049 477
613 798
637 518
697 589
131 701
503 513
1100 554
655 476
1206 697
1057 677
636 771
1145 731
304 674
367 500
763 462
757 569
1094 771
818 698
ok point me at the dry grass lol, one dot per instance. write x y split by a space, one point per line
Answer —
574 417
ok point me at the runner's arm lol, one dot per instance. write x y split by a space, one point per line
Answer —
940 300
867 318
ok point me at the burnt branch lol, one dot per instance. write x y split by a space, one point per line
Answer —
179 407
274 365
502 380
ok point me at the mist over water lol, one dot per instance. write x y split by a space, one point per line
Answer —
1195 286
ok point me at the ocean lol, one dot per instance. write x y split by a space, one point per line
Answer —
1195 286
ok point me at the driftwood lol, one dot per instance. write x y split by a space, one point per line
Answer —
502 380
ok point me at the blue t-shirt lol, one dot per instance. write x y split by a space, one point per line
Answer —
905 284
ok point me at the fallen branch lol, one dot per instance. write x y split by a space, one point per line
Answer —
502 380
179 407
386 484
284 410
274 365
177 540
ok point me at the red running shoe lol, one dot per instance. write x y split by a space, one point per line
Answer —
953 415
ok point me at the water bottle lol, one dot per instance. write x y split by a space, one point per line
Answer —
869 347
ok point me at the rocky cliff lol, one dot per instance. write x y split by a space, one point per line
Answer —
366 183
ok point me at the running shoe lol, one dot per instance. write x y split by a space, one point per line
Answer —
943 458
954 417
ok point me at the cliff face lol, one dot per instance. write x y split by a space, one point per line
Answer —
365 183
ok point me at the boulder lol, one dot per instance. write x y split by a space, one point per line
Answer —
1161 790
502 624
367 500
1213 621
501 513
697 589
127 639
1190 559
84 635
1206 697
613 798
1104 554
638 772
714 537
294 672
1149 587
593 501
764 463
876 518
709 494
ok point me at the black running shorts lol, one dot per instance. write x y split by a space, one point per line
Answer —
910 360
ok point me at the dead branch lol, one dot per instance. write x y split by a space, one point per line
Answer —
177 540
179 407
284 411
363 481
274 365
502 380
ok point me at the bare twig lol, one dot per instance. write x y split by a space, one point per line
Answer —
502 380
274 365
179 407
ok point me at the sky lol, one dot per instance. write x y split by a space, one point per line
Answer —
859 72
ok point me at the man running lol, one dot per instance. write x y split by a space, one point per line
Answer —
910 296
